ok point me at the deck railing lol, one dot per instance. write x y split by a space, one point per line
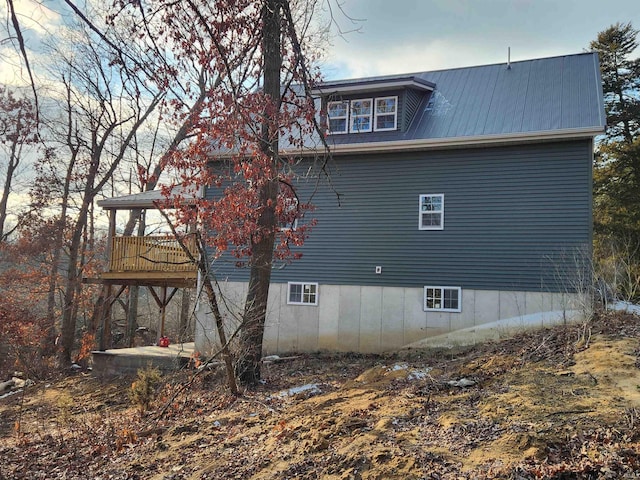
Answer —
151 254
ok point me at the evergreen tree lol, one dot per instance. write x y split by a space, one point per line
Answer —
617 165
620 81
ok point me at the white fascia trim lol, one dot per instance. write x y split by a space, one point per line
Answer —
425 144
372 86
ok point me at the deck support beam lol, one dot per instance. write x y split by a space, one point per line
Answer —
162 302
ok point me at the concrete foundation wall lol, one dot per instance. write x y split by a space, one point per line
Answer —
370 318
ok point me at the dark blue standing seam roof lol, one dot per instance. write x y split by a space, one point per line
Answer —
544 95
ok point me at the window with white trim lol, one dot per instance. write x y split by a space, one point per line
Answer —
338 114
386 114
361 111
431 212
290 210
300 293
442 299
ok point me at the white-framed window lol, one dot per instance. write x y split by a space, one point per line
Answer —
386 114
338 114
442 299
302 293
290 209
431 212
361 113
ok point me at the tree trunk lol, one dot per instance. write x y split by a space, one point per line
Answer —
57 253
255 310
11 169
185 307
68 328
73 281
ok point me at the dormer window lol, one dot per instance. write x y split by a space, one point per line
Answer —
386 116
338 113
383 104
361 115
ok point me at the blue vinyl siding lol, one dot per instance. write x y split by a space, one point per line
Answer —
411 101
510 214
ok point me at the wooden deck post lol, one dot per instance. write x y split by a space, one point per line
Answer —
162 304
111 234
163 310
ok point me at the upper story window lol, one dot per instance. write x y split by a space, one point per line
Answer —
431 212
360 115
338 113
386 115
290 211
363 115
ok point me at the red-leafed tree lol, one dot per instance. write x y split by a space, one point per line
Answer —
26 335
257 49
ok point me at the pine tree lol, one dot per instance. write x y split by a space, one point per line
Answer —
620 81
617 165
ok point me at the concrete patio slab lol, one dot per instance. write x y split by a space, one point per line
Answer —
119 361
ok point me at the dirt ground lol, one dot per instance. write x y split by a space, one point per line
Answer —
560 403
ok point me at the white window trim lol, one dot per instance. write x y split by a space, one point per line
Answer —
288 226
289 302
442 289
345 117
352 116
420 212
376 114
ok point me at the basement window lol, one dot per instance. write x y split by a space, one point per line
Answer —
442 299
302 293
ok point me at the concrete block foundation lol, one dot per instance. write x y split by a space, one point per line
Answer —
376 319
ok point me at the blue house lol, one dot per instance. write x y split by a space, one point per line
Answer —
465 198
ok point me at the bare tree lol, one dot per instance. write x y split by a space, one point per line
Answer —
104 106
18 131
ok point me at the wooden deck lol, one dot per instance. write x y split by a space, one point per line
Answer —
151 254
151 260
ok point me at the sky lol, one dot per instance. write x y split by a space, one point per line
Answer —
404 36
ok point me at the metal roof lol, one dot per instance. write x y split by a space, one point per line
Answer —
148 200
548 97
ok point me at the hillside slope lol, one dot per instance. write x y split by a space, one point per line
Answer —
559 403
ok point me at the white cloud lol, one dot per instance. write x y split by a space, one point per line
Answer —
413 35
37 21
33 16
355 61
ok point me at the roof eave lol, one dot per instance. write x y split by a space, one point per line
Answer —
468 141
381 85
144 202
